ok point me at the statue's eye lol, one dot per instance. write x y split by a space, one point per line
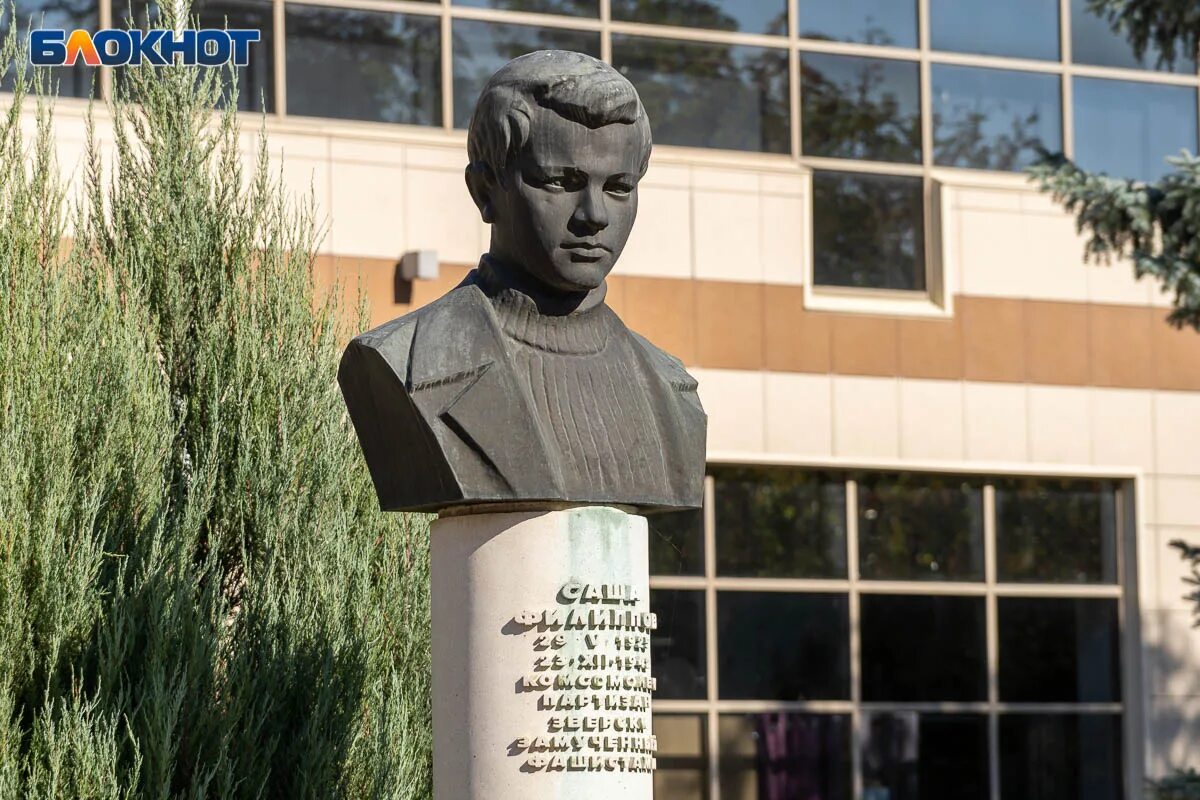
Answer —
618 188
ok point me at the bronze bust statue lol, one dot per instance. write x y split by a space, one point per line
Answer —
521 385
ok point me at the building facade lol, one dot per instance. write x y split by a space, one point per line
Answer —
946 455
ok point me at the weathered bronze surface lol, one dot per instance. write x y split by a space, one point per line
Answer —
521 384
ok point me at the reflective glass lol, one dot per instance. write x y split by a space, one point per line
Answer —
578 8
682 772
994 119
1128 129
920 527
676 543
779 646
922 649
747 16
75 81
709 95
366 65
1059 651
1061 757
775 756
911 756
1094 42
868 108
481 48
1056 531
1018 28
677 647
868 231
256 80
780 523
882 22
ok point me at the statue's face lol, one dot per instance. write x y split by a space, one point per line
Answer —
569 201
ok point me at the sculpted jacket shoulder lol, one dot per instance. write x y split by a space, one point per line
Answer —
445 417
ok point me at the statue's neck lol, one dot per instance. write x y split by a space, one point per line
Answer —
499 274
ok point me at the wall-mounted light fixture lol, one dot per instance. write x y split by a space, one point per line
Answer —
419 265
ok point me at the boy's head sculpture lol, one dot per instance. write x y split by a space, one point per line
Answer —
520 385
557 145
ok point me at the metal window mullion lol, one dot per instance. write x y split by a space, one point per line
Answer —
794 97
1067 90
925 98
279 54
856 720
606 31
447 78
530 18
993 638
105 18
710 635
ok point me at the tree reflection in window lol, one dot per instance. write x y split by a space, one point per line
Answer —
779 523
868 231
746 16
68 15
920 527
866 108
1056 531
709 95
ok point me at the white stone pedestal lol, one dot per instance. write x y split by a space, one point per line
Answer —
541 656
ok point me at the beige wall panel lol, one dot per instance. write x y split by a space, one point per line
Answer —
1177 433
983 199
1172 647
782 226
661 242
995 422
302 176
1060 425
1172 570
367 212
366 151
440 215
734 402
865 417
1178 501
1028 255
726 179
931 420
1122 428
726 231
1172 724
1116 283
799 415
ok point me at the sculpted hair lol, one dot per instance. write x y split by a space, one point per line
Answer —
575 86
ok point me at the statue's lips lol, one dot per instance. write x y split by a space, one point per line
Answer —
587 248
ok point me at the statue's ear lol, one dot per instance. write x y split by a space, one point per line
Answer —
481 183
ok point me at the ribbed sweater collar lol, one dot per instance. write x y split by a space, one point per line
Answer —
577 333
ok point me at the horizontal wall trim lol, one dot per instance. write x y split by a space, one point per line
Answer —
766 328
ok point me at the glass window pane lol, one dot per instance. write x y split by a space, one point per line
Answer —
785 755
578 8
907 756
922 649
778 646
366 65
1094 42
854 107
68 15
256 80
676 543
920 527
747 16
481 48
709 95
780 523
1019 28
993 119
868 231
1128 129
1059 651
677 646
1050 531
1061 757
682 772
882 22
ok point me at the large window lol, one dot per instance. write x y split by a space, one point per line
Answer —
873 96
871 635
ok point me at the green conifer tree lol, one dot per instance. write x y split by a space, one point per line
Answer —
198 595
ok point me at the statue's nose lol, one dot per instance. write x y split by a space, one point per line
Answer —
592 210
